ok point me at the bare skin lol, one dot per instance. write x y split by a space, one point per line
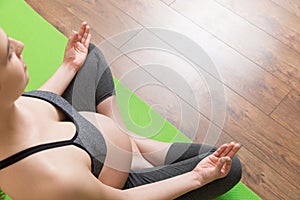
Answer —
26 122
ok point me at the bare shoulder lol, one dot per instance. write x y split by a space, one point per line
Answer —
42 107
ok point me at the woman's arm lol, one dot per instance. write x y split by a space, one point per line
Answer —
209 169
92 189
75 54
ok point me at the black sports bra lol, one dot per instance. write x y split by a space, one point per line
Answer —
87 136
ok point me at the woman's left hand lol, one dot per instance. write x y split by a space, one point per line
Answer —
218 164
77 47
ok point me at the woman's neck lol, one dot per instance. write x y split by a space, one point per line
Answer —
10 115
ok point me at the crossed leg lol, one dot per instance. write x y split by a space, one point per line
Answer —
86 88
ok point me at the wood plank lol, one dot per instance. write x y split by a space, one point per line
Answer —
269 17
288 113
260 178
101 15
261 48
253 83
248 124
173 71
293 6
54 12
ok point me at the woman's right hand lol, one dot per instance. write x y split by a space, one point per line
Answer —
218 164
77 47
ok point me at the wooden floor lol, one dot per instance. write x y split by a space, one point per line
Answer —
246 84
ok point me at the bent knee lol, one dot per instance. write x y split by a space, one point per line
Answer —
95 50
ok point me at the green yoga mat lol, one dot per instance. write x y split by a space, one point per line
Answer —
43 52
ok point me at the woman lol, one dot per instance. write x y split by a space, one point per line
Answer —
50 151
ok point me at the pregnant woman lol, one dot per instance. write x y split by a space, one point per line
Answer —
67 140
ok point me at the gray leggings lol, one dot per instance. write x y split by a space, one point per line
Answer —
93 84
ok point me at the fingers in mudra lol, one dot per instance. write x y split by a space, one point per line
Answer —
224 166
77 47
218 164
